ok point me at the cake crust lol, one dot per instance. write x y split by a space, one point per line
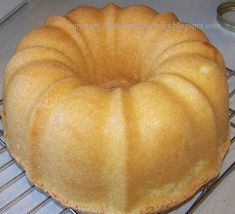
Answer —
117 110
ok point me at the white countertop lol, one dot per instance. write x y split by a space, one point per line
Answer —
222 200
8 7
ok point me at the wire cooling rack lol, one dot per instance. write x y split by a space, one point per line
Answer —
23 196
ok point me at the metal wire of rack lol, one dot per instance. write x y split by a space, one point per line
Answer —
204 192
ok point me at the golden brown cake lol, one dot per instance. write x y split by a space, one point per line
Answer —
117 110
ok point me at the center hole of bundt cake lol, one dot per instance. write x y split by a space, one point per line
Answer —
113 75
113 84
112 79
114 69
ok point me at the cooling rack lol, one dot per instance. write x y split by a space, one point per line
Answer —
31 200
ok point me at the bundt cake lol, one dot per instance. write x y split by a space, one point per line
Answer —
117 110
